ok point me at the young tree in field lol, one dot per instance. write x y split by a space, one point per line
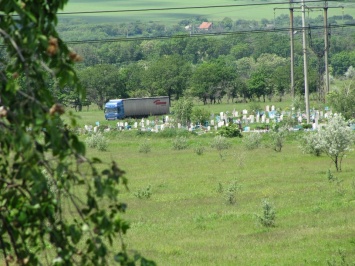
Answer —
43 167
335 140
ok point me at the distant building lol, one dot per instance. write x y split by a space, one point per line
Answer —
205 26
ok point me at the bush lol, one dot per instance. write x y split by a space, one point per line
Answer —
220 143
230 193
180 143
310 144
278 138
230 131
200 115
97 141
144 193
199 149
252 141
267 219
144 147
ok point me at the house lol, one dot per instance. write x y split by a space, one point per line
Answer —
205 26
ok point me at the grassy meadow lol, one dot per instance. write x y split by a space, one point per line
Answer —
187 219
174 16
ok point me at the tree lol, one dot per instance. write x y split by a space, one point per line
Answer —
42 162
102 83
183 110
167 76
257 84
342 99
335 140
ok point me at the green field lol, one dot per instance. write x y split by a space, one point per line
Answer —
187 220
259 12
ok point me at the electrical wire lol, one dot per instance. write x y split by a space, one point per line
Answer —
164 37
190 7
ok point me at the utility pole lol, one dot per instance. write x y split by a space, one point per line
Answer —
292 52
326 47
305 67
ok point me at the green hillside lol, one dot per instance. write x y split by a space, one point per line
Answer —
255 10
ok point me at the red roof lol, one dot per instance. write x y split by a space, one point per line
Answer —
205 26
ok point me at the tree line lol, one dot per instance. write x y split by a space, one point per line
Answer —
236 67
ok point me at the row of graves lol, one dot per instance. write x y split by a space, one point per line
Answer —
244 120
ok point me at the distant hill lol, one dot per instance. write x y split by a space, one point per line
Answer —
218 9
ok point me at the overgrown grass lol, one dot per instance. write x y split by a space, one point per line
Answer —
186 221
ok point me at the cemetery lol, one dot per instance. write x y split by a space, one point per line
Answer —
256 121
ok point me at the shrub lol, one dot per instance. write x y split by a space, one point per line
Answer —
97 141
310 144
255 107
200 115
180 143
199 149
267 219
220 143
252 141
278 137
144 193
230 193
230 131
144 147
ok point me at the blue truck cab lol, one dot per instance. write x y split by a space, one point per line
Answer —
114 109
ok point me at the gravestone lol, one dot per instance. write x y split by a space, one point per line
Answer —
263 118
267 108
251 118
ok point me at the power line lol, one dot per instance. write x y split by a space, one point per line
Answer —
214 34
187 7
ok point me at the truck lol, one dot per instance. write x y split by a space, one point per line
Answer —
136 107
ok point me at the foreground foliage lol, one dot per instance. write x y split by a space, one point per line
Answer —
41 160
